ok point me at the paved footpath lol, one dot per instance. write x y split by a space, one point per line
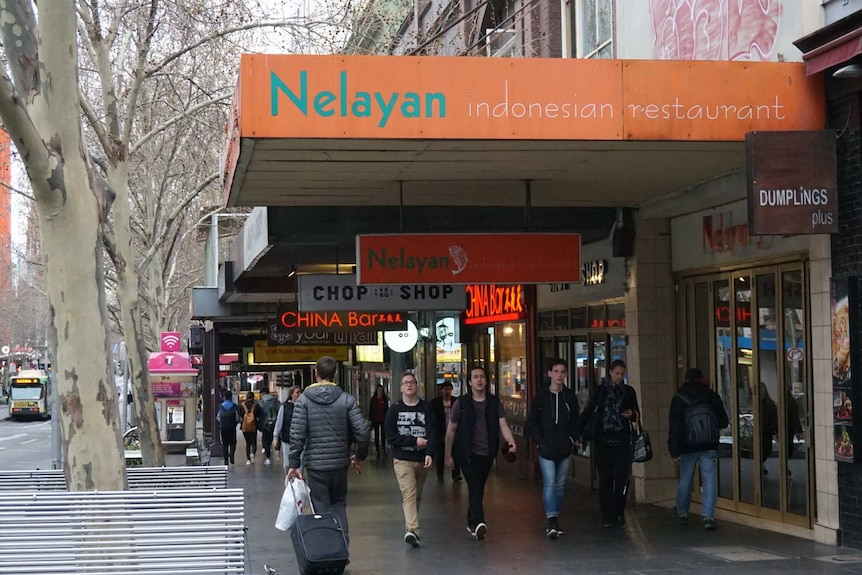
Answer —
652 541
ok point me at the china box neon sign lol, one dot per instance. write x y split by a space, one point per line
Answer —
493 303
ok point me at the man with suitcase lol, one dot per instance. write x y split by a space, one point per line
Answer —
326 420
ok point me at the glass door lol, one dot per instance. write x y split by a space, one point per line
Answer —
748 330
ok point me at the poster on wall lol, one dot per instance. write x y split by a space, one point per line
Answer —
844 306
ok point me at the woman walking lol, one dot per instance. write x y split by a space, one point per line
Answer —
377 409
614 407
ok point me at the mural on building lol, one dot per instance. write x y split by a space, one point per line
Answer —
715 29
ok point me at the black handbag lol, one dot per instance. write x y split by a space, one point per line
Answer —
641 446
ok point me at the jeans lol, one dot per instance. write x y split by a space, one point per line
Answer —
614 462
411 478
440 460
228 442
250 444
476 474
708 475
553 484
266 442
329 494
379 437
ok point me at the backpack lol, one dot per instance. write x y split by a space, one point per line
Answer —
248 422
270 412
701 424
227 417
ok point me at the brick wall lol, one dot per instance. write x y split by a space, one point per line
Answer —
847 260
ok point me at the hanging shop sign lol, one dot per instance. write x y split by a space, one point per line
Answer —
593 273
264 353
332 292
467 258
317 321
276 335
494 303
792 182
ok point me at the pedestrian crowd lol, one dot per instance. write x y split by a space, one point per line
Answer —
322 433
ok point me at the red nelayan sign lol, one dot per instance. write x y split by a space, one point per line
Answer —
468 258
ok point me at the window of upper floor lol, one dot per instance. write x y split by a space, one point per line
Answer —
590 26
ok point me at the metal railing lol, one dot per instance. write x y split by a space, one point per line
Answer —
138 478
122 532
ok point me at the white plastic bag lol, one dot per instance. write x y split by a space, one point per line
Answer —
293 499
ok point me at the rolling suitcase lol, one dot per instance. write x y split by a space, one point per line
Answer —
319 543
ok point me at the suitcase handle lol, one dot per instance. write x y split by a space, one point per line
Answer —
307 493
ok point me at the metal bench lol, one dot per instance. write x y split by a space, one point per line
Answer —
138 478
122 532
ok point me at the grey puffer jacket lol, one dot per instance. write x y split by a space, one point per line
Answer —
326 420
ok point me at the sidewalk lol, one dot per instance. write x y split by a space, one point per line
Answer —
652 541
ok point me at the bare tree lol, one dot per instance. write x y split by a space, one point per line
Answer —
164 73
72 203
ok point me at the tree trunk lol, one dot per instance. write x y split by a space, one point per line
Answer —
88 407
128 291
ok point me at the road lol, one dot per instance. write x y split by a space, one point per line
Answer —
24 444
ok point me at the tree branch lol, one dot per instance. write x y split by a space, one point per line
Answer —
173 216
184 114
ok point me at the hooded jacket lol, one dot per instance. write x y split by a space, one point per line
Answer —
553 423
697 392
326 420
228 414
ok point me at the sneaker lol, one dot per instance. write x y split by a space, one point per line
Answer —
233 461
609 524
457 478
266 461
557 526
682 518
481 530
551 530
709 523
248 461
411 539
621 520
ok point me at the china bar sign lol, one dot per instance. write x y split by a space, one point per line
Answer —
792 183
424 259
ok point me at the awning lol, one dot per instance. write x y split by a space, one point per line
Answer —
833 53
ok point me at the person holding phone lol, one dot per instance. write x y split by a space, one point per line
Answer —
616 406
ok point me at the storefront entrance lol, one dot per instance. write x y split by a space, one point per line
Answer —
748 330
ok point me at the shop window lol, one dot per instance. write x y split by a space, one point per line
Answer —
512 369
616 316
597 317
561 319
578 318
546 321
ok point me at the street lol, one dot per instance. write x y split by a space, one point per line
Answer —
24 444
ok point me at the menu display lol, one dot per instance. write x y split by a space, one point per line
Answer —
844 304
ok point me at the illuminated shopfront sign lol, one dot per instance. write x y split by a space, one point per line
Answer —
341 321
493 303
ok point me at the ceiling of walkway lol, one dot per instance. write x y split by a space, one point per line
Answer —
309 172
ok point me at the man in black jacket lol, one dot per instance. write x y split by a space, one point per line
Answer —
410 431
696 418
476 422
442 407
325 419
553 425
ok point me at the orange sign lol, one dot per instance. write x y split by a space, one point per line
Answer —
493 303
467 258
287 96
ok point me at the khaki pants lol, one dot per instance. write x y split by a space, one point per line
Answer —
411 477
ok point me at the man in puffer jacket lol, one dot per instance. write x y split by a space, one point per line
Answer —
553 425
326 420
